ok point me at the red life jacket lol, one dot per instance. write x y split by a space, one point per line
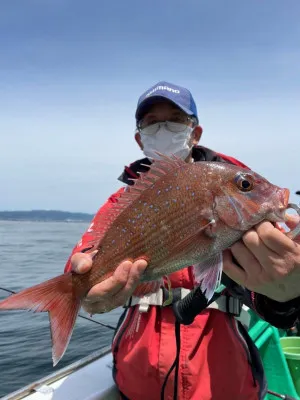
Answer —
215 359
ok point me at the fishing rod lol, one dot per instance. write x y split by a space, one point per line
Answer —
79 315
281 396
278 395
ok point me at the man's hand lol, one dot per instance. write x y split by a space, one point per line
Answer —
114 291
270 262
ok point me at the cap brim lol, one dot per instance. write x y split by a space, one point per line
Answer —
142 108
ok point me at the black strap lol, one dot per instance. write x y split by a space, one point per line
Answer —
174 365
177 336
190 306
185 311
176 294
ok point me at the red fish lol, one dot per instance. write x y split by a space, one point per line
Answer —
176 214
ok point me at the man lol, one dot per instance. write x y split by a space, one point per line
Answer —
217 359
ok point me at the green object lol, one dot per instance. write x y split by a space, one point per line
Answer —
257 326
267 340
170 294
220 288
291 349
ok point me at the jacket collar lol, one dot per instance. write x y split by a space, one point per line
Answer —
199 153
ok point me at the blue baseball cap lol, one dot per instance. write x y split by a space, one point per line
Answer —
177 95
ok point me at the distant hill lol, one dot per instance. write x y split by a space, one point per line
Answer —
44 215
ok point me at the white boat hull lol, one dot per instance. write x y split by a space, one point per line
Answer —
87 379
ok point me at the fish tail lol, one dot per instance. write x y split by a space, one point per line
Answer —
58 297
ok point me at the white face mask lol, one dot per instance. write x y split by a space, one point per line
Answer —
167 142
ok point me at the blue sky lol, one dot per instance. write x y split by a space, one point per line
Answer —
71 73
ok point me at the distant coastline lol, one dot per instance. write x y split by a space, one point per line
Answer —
45 216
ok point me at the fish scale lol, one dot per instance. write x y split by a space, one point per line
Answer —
176 214
170 218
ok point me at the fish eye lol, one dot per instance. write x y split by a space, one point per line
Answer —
244 182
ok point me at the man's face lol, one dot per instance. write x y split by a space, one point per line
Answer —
166 111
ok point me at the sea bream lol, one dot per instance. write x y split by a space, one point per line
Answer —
175 215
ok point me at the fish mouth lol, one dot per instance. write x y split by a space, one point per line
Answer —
282 199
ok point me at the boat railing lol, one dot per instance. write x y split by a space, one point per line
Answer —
47 380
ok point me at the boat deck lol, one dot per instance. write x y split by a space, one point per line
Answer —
87 379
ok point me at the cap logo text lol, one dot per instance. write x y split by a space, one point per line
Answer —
162 88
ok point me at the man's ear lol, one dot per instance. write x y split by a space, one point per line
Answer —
137 137
197 133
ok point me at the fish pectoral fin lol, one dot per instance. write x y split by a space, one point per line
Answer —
208 274
194 238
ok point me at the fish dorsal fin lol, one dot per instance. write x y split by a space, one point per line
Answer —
157 170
